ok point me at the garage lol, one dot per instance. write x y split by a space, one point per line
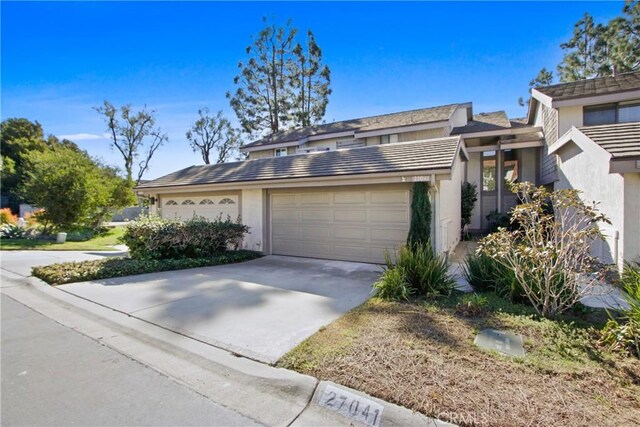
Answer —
207 206
354 224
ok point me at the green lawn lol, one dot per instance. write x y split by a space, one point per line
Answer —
103 242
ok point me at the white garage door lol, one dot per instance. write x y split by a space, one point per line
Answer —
210 207
351 225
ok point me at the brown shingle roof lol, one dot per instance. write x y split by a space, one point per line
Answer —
621 140
425 155
483 122
404 118
590 87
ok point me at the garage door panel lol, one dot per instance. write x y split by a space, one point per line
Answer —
390 197
388 235
316 215
395 216
358 216
314 198
350 197
345 224
284 200
285 215
322 233
340 233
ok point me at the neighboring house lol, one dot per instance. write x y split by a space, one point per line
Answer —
592 130
342 190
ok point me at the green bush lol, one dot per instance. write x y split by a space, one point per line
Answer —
70 272
420 227
469 197
624 335
424 272
486 274
156 238
392 286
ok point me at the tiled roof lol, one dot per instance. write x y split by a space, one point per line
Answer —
364 124
425 155
590 87
621 140
484 122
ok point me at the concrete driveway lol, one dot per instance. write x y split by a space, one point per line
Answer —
260 309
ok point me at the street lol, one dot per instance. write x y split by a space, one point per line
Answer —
52 375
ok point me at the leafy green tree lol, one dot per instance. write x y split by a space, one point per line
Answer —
72 189
469 197
282 84
544 78
623 34
420 228
134 135
213 134
310 83
18 138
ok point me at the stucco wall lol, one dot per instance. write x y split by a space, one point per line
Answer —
252 215
459 117
449 215
586 168
631 238
569 117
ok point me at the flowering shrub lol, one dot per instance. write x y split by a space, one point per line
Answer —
549 247
7 217
12 231
156 238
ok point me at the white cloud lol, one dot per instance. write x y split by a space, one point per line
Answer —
83 136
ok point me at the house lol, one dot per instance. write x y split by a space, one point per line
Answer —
342 190
592 134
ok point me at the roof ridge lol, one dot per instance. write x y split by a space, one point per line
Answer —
589 79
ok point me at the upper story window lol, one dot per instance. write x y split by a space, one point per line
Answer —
280 152
611 113
489 171
385 139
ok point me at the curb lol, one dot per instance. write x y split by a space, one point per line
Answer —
269 395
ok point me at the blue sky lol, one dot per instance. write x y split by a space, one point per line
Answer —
61 59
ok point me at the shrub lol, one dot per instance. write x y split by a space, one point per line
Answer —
70 272
156 238
548 248
420 227
32 219
12 231
624 335
424 272
472 305
486 274
7 217
392 286
469 197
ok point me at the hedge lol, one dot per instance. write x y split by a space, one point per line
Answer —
156 238
70 272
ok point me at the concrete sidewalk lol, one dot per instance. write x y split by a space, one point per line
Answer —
268 395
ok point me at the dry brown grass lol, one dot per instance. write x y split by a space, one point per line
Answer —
423 357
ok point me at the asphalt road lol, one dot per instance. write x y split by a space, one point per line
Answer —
52 375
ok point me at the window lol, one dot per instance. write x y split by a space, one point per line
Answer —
281 152
206 202
385 139
227 201
611 113
170 203
188 202
599 115
510 169
488 171
629 113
